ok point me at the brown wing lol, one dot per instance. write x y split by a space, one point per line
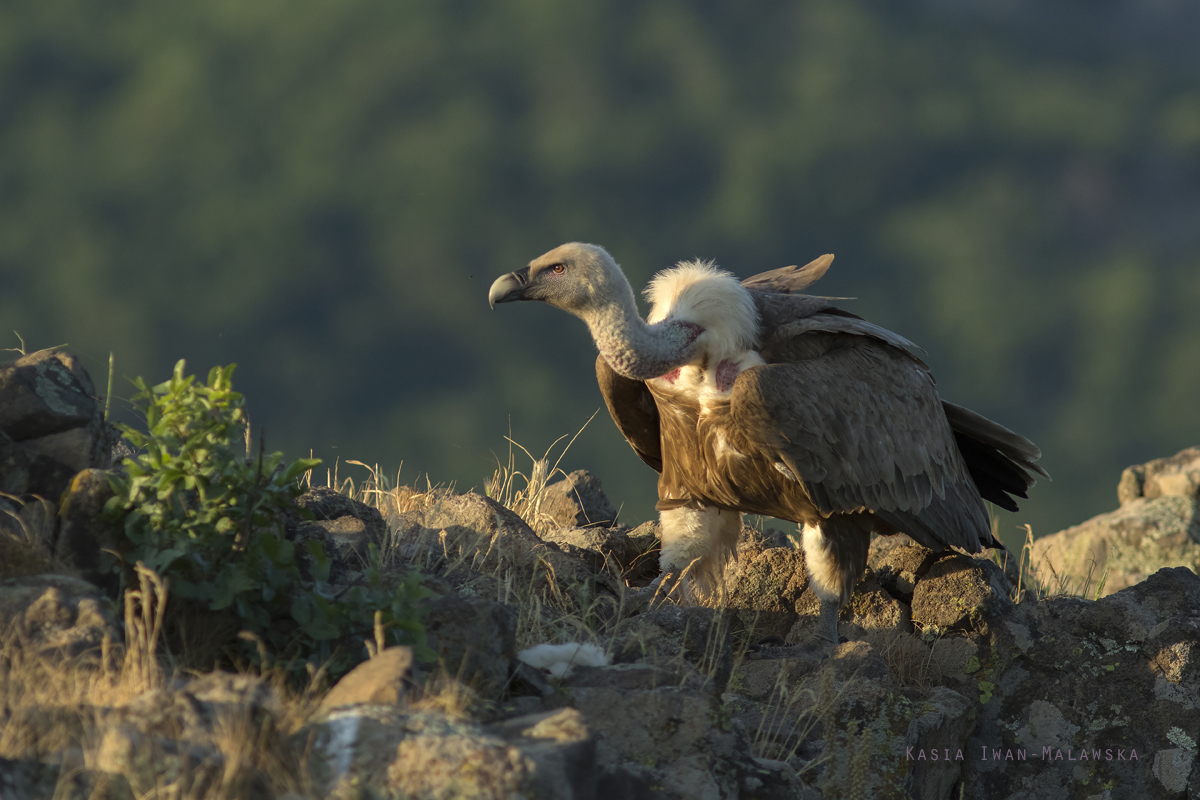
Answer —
632 407
859 425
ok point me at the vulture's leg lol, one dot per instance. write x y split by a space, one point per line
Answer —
835 555
696 544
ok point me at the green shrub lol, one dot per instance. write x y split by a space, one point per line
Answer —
213 522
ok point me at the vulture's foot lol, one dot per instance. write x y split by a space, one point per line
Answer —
819 646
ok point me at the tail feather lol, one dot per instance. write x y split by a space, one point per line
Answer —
1001 462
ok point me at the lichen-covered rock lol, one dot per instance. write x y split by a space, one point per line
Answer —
26 473
352 525
51 424
1113 551
870 608
1083 698
382 751
694 635
83 537
601 548
961 593
898 562
764 586
663 730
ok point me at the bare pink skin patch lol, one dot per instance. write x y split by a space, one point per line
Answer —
727 372
672 376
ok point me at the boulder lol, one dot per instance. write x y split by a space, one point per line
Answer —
385 752
1113 551
1157 525
83 537
1177 476
382 680
351 524
656 729
764 585
672 634
56 616
1082 698
576 501
474 638
601 547
476 532
961 593
51 424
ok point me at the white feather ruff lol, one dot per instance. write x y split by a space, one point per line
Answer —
699 292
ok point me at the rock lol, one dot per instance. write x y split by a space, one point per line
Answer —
56 616
1110 685
443 759
30 779
870 608
660 731
150 761
764 586
52 424
353 524
351 747
26 536
1177 476
382 680
577 501
474 638
82 535
961 593
600 547
27 473
673 634
345 527
479 533
559 750
898 562
1122 547
44 393
385 752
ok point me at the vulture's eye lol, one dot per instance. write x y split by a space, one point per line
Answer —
558 269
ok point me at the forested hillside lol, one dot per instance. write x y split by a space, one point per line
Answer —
323 192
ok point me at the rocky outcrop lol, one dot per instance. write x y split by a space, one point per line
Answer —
945 685
1157 525
1083 698
51 424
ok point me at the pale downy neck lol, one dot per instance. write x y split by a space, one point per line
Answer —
635 348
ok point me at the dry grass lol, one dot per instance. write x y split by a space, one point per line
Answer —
523 493
25 534
67 712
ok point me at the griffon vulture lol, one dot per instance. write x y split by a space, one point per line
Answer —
749 397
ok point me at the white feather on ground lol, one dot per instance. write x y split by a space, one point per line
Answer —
558 659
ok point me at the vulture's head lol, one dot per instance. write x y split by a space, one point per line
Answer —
575 277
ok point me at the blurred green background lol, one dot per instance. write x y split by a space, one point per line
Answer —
323 192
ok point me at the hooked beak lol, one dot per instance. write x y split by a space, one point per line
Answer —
508 288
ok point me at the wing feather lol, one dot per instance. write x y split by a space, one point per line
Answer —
862 427
632 407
